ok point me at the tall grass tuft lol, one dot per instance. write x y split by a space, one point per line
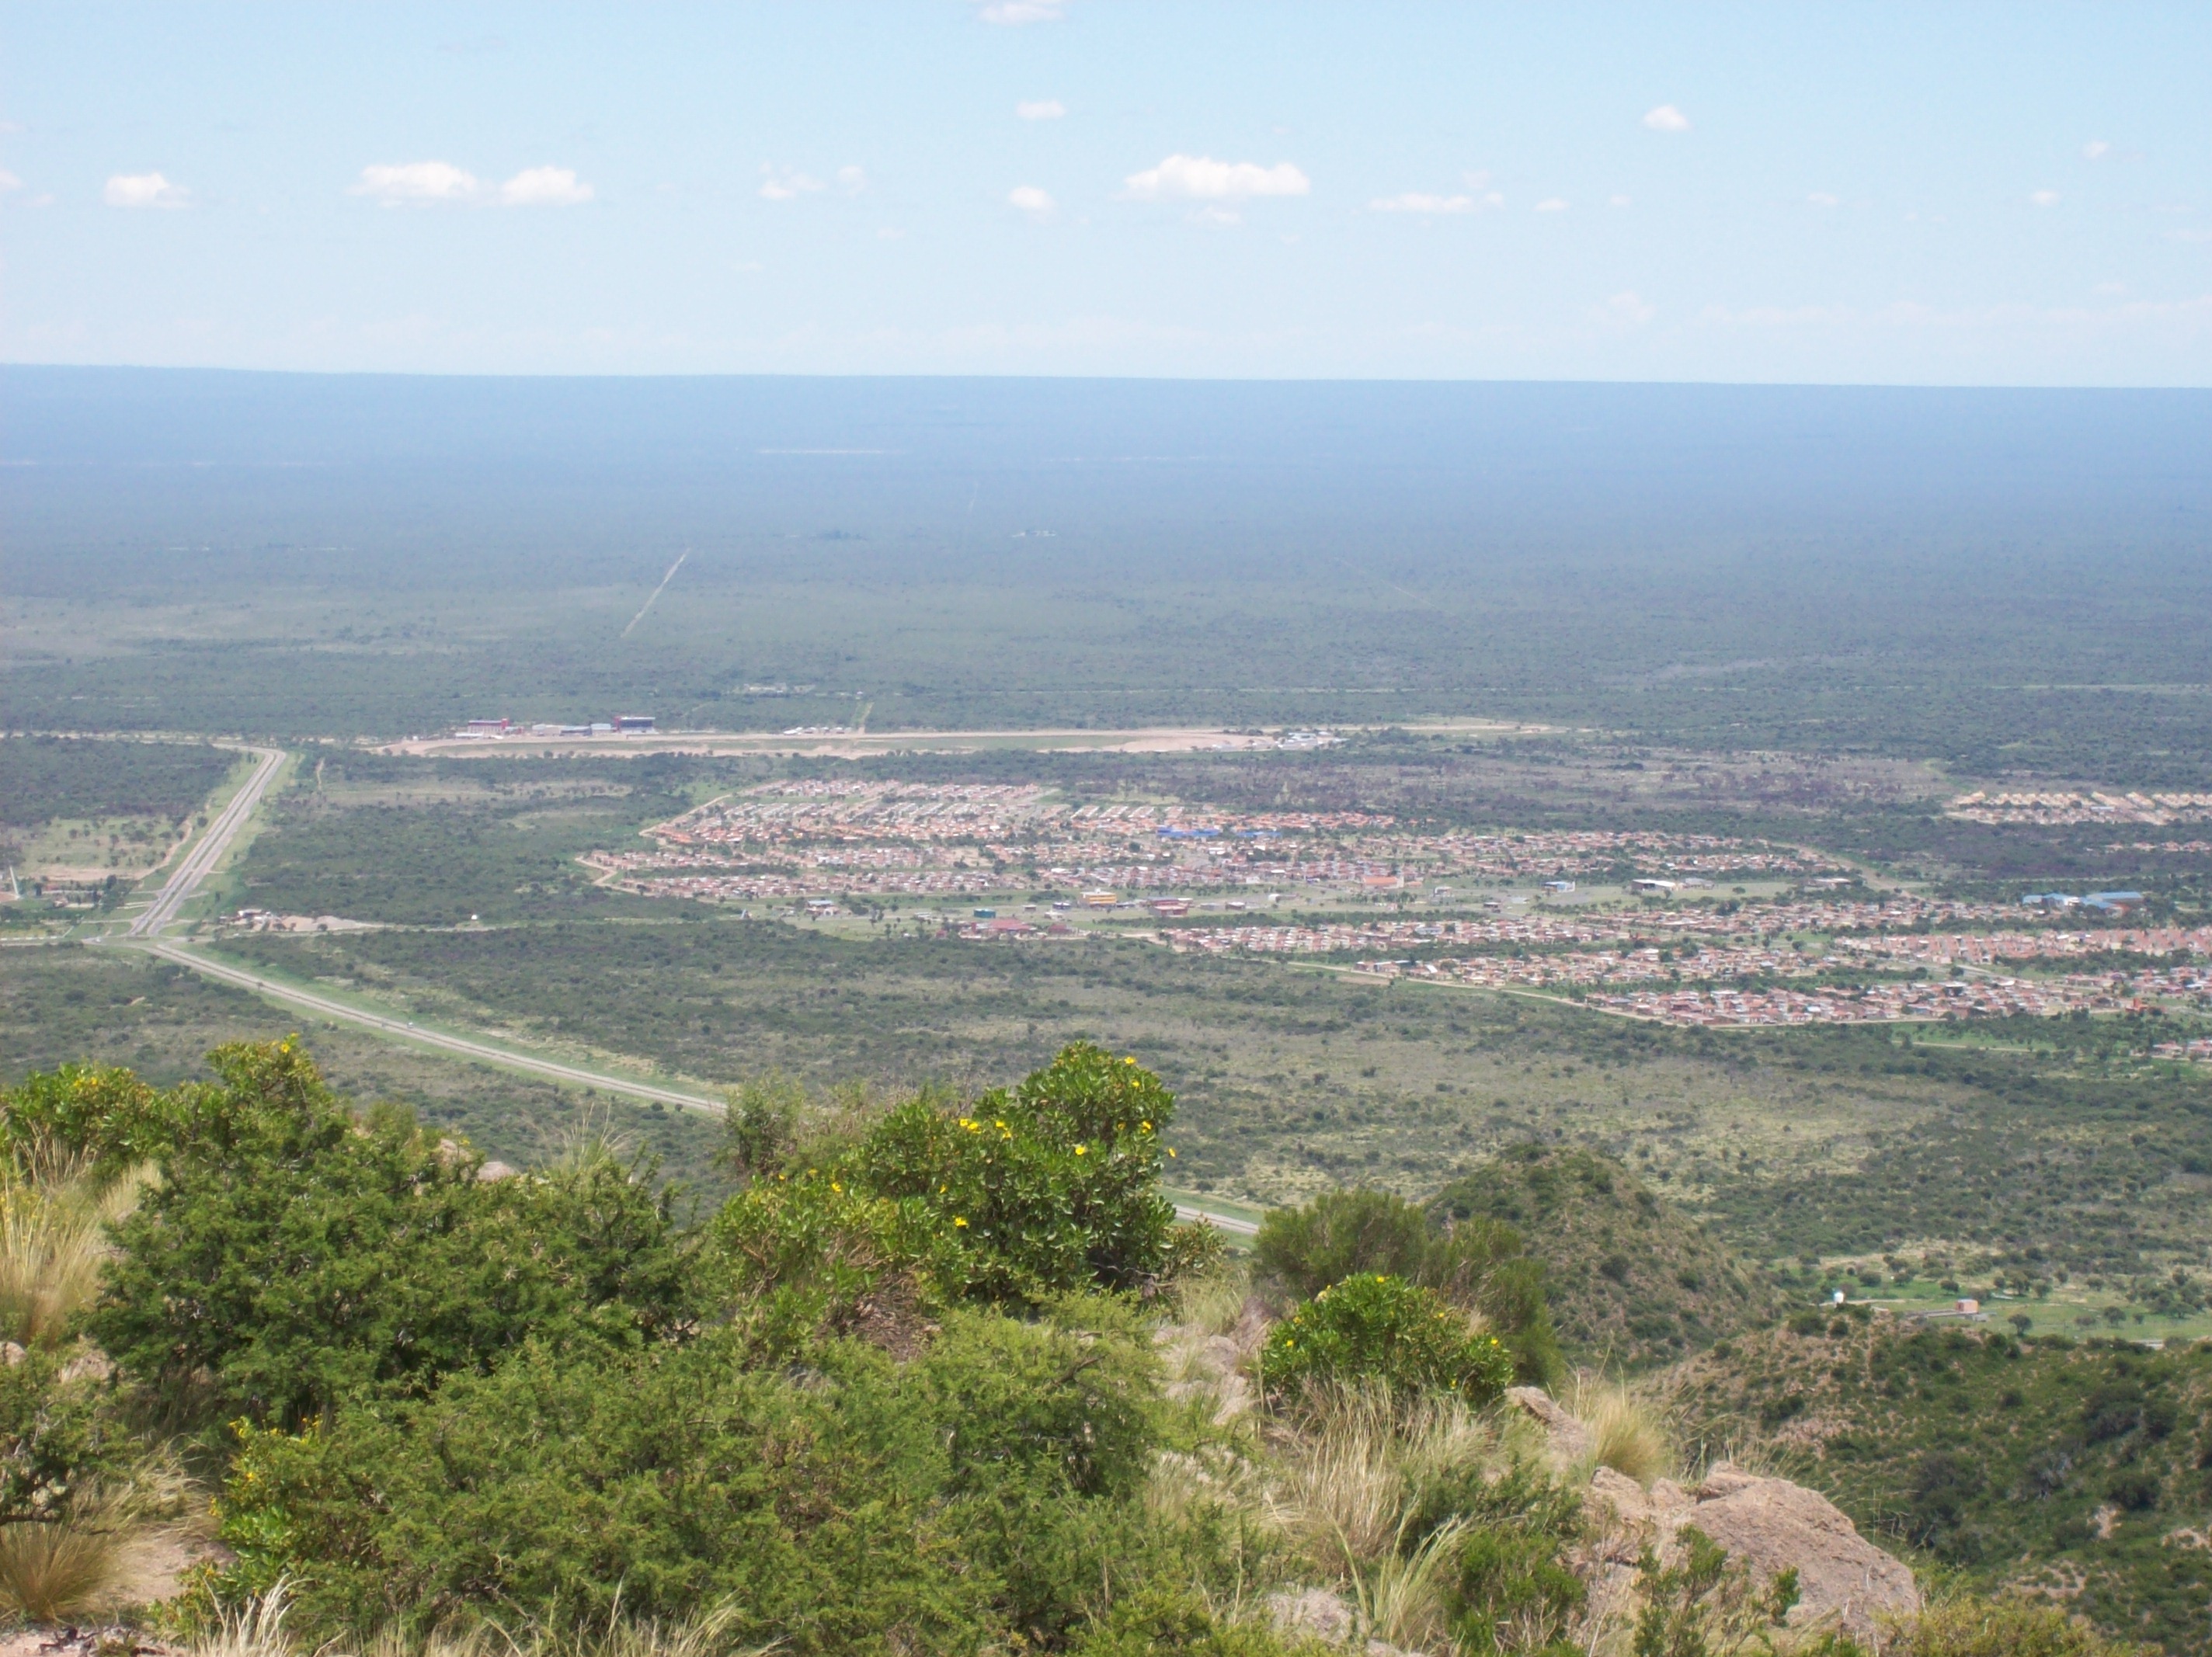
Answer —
1401 1594
706 1634
254 1627
76 1560
1213 1301
53 1570
1626 1433
54 1212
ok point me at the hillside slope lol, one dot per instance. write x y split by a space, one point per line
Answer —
2084 1471
1632 1282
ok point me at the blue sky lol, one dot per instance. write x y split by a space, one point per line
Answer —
1952 194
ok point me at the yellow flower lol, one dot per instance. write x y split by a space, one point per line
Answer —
1147 1126
1171 1150
1081 1150
1128 1061
957 1220
833 1186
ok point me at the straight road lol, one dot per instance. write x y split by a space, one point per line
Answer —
1229 1223
202 857
401 1030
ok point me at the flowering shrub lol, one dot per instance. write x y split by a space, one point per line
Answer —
1050 1187
1379 1327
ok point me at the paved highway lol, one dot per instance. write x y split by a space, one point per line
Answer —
203 857
401 1029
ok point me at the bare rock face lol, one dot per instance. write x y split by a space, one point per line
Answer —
1570 1443
493 1171
1772 1525
88 1362
1311 1613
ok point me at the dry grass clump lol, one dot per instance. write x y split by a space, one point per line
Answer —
78 1560
705 1635
54 1212
1628 1433
1352 1474
253 1628
1215 1301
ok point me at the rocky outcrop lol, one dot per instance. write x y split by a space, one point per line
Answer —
1569 1443
1772 1525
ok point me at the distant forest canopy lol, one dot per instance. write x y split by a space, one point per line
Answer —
2006 580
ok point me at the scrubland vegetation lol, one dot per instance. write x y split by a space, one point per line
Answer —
942 1374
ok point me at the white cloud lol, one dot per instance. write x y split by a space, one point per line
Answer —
890 233
1478 180
8 181
415 181
1822 198
2097 149
852 179
1013 14
2044 199
1220 217
1031 200
1626 310
786 186
1414 202
545 186
1551 204
1667 118
1619 201
1200 177
1041 109
144 190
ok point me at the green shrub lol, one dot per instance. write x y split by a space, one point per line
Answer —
1475 1262
1051 1187
104 1114
57 1437
290 1256
812 1255
1374 1326
1707 1604
1171 1622
1337 1235
851 1504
